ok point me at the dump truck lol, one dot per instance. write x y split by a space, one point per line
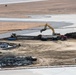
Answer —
54 36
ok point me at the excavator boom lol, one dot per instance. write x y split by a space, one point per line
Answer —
46 28
54 36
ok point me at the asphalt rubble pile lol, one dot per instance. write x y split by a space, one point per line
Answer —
71 35
14 61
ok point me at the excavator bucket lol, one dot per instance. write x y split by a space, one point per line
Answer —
42 30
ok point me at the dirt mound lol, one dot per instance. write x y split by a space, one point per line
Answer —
71 35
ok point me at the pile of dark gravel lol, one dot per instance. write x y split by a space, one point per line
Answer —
71 35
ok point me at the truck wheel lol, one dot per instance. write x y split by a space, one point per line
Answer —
63 38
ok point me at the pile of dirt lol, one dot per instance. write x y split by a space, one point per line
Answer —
48 53
71 35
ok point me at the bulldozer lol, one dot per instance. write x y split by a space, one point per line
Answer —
54 36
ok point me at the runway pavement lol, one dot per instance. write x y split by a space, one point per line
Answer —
16 1
41 71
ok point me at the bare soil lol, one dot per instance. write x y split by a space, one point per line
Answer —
41 7
15 26
48 53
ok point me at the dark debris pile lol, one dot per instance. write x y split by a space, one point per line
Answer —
8 46
12 61
71 35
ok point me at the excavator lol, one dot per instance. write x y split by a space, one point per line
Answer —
54 36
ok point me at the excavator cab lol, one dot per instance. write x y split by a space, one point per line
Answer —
56 34
13 37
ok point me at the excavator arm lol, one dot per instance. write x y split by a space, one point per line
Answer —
45 28
57 36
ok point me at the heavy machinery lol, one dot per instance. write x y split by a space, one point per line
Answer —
54 36
14 37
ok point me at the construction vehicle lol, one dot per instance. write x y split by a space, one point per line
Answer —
14 37
54 36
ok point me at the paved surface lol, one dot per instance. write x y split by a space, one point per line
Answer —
42 71
16 1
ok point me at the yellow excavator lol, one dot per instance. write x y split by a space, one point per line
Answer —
54 36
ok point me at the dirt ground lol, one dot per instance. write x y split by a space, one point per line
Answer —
41 7
15 26
48 53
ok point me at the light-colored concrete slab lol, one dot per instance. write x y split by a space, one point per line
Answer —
42 71
16 1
